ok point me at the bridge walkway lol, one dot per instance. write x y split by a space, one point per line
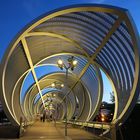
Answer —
50 131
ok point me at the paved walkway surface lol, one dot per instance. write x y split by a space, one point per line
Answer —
48 131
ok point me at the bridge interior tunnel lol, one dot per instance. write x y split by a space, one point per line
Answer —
99 37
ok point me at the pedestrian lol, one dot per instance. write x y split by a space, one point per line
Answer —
44 116
41 117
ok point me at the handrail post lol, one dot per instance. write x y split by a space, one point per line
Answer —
94 128
102 128
113 132
120 131
20 128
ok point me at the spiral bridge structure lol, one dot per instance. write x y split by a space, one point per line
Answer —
99 37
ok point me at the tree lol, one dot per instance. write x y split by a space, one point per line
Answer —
112 97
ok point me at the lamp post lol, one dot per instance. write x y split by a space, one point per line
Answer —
57 85
71 64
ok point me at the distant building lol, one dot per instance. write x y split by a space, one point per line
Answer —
106 112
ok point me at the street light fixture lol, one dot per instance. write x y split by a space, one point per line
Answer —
57 85
53 85
62 85
71 64
54 95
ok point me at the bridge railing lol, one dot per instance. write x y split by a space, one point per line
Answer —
23 125
101 129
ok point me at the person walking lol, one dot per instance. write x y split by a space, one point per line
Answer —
44 116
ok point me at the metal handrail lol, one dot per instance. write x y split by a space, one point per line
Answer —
105 125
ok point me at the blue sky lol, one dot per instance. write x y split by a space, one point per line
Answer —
15 14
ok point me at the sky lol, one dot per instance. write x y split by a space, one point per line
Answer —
15 14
